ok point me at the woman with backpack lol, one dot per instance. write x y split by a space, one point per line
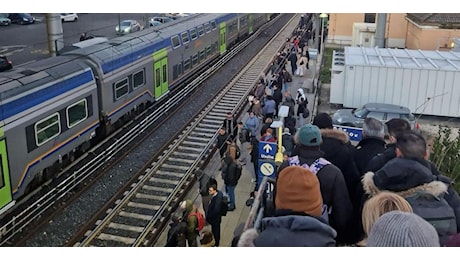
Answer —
231 173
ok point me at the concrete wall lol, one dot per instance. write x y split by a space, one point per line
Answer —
429 37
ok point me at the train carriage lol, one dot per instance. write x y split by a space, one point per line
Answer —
49 113
52 109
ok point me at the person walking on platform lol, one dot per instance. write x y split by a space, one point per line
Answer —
278 97
269 107
223 140
205 181
192 222
372 143
252 123
231 173
302 111
230 125
214 217
333 187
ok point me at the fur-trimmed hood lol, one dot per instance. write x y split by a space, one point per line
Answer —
336 134
434 187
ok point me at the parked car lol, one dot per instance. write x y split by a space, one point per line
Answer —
128 26
22 18
154 23
380 111
5 64
69 17
161 19
4 20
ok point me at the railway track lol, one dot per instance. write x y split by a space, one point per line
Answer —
138 217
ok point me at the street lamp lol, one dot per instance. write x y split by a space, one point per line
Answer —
322 16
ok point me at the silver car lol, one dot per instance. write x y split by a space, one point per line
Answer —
128 26
380 111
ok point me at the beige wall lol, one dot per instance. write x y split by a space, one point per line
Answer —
400 32
341 27
429 38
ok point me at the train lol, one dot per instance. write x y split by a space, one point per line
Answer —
53 110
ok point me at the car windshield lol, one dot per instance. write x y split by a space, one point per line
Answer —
360 112
125 23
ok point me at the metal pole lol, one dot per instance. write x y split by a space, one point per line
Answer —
380 30
55 33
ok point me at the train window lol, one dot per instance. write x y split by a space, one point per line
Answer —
207 27
208 50
200 30
193 34
213 25
185 38
179 69
165 74
202 55
187 64
121 88
195 59
175 41
138 79
157 78
47 129
76 113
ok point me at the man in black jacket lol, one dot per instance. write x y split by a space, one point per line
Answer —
332 183
205 182
214 217
410 171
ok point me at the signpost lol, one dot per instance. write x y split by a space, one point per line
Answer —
354 133
266 165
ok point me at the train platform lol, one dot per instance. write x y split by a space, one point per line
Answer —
245 184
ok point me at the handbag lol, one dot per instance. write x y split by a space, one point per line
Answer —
301 63
306 113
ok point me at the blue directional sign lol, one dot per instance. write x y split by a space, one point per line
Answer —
267 150
354 133
265 168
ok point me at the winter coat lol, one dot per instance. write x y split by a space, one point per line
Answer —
192 222
380 159
177 234
288 101
213 216
293 230
222 143
252 123
404 174
300 93
268 138
230 172
338 150
333 190
302 108
288 143
278 96
269 107
365 150
231 127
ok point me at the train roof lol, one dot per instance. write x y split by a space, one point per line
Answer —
39 73
123 50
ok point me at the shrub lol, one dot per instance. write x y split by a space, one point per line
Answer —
445 154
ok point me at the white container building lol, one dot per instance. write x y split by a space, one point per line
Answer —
427 82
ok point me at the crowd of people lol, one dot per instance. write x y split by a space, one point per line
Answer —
328 192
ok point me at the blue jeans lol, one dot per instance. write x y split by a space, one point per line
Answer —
231 195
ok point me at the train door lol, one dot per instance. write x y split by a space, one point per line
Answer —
5 183
251 23
160 73
223 37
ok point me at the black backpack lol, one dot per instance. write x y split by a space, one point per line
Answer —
436 211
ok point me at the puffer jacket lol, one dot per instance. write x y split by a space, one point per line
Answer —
192 221
405 175
290 231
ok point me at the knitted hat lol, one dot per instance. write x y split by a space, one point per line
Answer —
402 229
323 120
297 189
309 135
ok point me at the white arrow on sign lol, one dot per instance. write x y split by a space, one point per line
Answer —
267 148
